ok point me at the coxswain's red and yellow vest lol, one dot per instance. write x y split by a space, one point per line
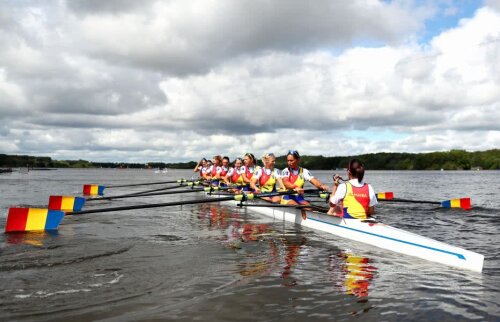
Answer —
356 201
237 178
297 179
267 182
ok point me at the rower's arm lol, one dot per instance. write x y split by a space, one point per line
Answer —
245 179
280 182
315 182
197 167
288 184
253 184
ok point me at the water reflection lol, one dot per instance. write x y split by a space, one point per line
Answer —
352 273
279 253
38 239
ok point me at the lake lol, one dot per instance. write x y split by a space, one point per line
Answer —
212 262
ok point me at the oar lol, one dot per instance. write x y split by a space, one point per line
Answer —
69 203
463 203
146 183
35 219
98 190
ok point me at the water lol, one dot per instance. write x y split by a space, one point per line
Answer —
209 262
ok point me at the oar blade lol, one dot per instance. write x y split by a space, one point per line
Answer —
66 203
32 219
385 195
93 190
463 203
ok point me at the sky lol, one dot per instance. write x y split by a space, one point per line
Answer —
140 81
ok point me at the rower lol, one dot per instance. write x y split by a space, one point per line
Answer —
205 173
235 175
224 168
250 168
294 177
354 198
215 170
201 166
266 177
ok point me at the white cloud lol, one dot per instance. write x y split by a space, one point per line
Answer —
173 80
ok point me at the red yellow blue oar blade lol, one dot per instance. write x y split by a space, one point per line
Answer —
463 203
32 219
93 190
385 195
66 203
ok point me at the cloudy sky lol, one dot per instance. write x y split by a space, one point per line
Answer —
140 81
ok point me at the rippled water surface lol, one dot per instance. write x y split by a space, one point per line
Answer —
213 262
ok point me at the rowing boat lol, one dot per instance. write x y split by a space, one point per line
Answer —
373 233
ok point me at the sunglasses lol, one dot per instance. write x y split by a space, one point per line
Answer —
295 153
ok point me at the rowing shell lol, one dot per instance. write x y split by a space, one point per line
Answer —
375 234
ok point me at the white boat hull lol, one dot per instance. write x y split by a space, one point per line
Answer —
377 234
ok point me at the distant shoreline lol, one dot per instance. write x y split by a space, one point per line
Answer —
448 160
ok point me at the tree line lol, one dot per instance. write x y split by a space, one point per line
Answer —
448 160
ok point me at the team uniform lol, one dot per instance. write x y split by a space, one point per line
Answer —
267 179
206 171
249 172
236 176
201 170
213 172
298 177
222 173
354 198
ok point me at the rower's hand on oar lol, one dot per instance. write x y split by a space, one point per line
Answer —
324 187
299 190
257 191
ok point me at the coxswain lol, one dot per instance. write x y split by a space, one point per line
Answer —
265 178
354 198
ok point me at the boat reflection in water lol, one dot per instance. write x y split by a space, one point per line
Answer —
352 273
278 252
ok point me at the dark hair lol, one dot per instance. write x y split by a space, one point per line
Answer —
357 169
226 158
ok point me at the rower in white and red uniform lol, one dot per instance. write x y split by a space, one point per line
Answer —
215 170
250 168
294 177
235 174
265 178
224 169
201 167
